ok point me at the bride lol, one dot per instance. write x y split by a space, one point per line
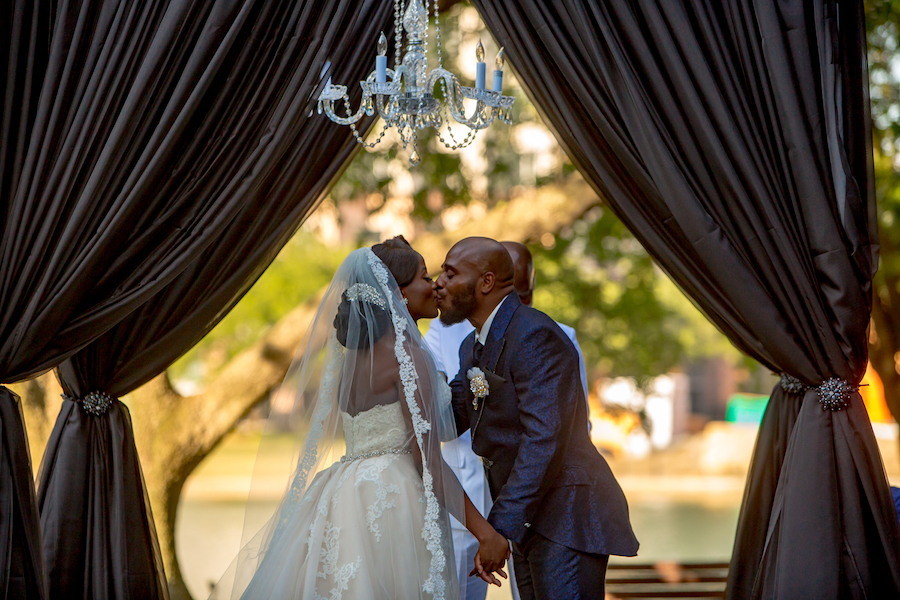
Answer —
374 524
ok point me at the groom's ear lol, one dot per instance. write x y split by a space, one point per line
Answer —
488 281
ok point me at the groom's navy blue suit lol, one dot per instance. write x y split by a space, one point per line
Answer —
531 431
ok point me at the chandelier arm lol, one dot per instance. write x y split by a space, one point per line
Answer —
329 110
453 101
452 97
388 110
398 73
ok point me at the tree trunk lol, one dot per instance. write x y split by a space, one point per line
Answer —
175 433
41 400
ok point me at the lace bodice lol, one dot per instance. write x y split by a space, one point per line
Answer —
379 429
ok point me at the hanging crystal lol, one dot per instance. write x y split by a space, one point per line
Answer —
415 19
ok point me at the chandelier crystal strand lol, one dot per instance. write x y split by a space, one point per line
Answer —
454 145
398 31
404 96
437 36
470 137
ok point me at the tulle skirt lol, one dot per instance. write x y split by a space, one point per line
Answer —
357 535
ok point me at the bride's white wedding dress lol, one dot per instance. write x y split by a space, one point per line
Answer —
357 533
374 525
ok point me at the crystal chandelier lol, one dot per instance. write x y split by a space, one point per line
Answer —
404 96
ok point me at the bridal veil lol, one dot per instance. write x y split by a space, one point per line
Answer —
364 511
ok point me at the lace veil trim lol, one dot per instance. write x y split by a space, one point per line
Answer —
432 534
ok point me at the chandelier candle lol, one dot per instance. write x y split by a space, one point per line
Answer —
480 67
381 60
498 72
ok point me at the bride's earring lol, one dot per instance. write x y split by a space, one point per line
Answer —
405 300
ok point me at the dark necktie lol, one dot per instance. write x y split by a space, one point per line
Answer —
476 353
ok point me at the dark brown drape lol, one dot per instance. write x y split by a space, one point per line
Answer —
103 480
136 138
733 139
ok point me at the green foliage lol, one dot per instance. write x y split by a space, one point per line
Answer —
883 37
303 267
630 318
887 194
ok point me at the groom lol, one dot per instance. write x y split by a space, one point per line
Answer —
554 495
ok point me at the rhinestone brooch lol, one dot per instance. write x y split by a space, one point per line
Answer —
97 403
834 394
791 384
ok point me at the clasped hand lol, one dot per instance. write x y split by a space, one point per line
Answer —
493 552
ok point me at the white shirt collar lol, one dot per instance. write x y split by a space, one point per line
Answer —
486 328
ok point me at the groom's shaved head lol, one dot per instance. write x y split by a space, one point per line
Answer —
486 256
477 275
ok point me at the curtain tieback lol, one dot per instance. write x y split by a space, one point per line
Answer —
94 403
792 385
834 393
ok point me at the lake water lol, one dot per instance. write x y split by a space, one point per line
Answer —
678 512
209 534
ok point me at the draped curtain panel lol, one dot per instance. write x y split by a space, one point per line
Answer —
733 139
136 137
81 471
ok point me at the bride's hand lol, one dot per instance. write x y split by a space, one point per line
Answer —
493 551
487 576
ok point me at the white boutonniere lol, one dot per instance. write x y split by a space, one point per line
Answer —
478 384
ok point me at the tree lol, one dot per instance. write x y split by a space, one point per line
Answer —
883 36
631 319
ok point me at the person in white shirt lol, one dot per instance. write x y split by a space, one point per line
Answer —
444 342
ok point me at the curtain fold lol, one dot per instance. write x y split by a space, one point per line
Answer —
133 136
762 479
733 140
24 53
21 564
99 537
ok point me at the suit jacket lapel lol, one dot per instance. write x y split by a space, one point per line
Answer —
495 341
